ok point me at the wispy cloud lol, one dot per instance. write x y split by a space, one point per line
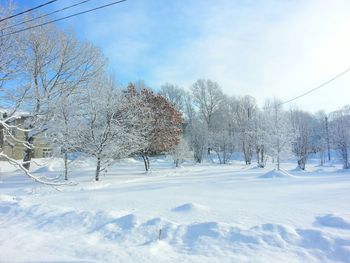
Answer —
262 48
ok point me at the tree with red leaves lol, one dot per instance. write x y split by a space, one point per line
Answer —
160 123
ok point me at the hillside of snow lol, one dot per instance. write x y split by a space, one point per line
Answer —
196 213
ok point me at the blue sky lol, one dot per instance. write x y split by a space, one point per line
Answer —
265 48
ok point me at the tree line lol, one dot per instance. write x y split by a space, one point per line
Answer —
73 103
223 125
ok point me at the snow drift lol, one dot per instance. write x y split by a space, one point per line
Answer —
276 174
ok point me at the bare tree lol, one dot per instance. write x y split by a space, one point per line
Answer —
12 54
55 63
340 129
302 132
279 137
181 152
198 139
106 128
222 136
174 94
62 128
208 97
320 141
245 116
6 127
261 137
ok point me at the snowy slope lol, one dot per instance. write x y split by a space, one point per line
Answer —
198 213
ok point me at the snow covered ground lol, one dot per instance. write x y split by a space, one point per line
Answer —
196 213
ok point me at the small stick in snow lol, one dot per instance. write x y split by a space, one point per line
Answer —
160 234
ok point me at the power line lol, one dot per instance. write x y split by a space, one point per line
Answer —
48 14
63 18
318 87
28 10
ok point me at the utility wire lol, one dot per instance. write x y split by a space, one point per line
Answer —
28 10
45 15
318 87
63 18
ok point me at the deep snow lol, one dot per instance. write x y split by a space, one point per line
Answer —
196 213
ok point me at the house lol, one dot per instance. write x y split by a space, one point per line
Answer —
12 145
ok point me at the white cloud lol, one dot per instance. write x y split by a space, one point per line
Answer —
262 48
268 50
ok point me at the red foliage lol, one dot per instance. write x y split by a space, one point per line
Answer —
163 120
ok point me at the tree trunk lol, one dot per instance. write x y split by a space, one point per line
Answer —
224 155
345 157
328 140
218 154
146 161
322 158
1 137
247 154
28 153
301 163
65 166
262 160
98 168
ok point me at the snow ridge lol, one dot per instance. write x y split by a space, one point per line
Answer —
196 238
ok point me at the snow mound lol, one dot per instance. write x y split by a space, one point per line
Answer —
276 174
7 198
56 164
189 207
83 163
298 169
145 235
7 167
95 186
130 160
331 220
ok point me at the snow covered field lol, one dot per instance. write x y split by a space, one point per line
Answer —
196 213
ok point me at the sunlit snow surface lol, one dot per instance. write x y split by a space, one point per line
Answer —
196 213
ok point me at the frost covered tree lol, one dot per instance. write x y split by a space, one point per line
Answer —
302 129
106 129
222 137
208 98
261 137
12 48
245 117
62 127
340 130
279 137
181 152
223 144
198 139
54 64
189 112
12 54
195 130
174 94
320 143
